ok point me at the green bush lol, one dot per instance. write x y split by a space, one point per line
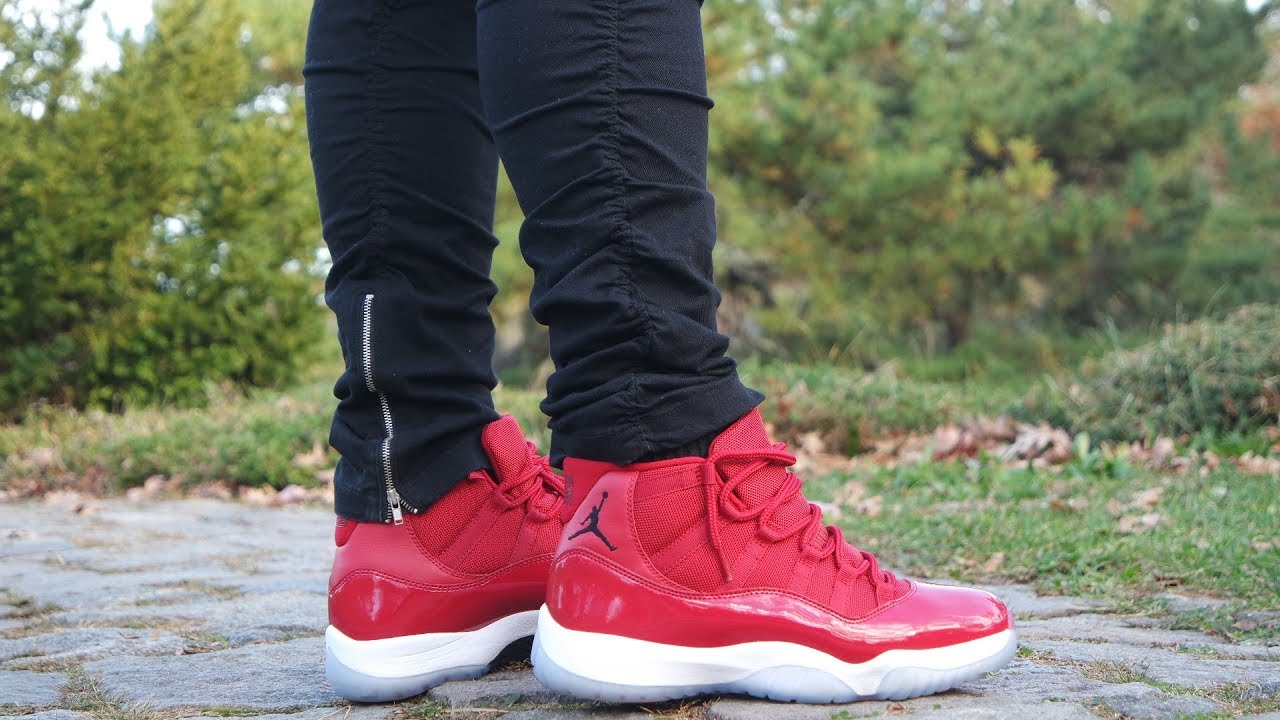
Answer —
157 222
1206 376
916 169
265 438
849 407
254 441
1235 259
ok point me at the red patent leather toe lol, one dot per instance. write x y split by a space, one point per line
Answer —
939 615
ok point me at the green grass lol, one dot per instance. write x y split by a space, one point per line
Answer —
265 439
1212 385
1061 531
220 711
281 438
1209 375
849 407
81 693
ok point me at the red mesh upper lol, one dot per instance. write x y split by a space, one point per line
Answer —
666 505
672 521
489 548
546 539
780 556
822 582
471 531
448 517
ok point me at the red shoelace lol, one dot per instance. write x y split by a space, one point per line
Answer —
723 499
535 481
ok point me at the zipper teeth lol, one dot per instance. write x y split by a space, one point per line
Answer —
366 356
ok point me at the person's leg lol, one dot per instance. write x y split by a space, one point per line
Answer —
599 110
707 571
406 174
433 586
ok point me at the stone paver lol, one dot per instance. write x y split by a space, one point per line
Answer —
505 687
1163 665
345 712
268 677
30 688
1095 628
1145 706
87 643
50 715
1022 690
1023 602
189 608
597 714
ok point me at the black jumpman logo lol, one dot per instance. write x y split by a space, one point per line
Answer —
594 527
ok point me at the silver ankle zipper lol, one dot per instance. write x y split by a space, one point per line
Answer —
396 506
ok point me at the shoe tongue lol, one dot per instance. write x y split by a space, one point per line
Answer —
508 450
506 447
748 434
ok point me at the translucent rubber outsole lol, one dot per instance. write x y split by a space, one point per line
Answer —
376 671
359 687
783 682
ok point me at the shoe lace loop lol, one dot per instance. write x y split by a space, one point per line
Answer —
535 481
723 499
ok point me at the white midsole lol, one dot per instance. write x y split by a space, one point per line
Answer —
411 655
640 663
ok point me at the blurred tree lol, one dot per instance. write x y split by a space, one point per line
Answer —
889 173
1235 258
157 229
932 163
275 37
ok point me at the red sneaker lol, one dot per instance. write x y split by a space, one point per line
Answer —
439 595
690 576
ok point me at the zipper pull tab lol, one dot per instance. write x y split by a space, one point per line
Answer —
397 516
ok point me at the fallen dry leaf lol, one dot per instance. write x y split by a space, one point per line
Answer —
218 490
1146 499
1211 461
155 487
292 494
992 430
1138 523
41 459
811 443
316 457
1162 451
951 441
261 496
831 511
993 563
851 493
871 507
1042 440
1253 464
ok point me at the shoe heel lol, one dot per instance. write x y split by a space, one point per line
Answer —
359 687
376 671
